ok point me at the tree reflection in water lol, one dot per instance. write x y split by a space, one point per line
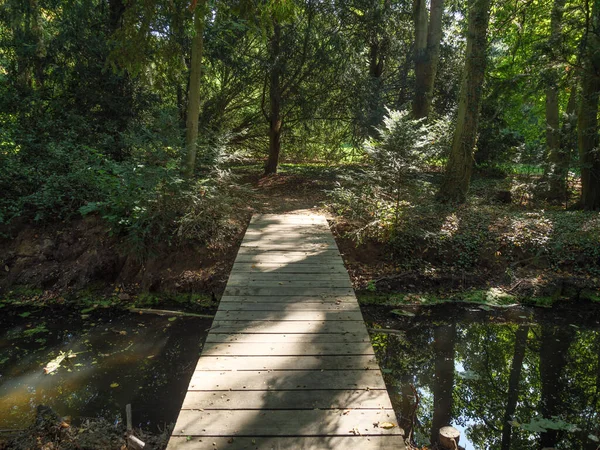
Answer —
513 382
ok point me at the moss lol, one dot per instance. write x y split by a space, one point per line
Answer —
541 302
193 300
371 298
490 297
21 293
588 294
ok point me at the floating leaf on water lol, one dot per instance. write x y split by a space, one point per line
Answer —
56 362
401 312
25 314
172 319
114 385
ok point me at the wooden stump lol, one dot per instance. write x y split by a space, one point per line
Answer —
449 437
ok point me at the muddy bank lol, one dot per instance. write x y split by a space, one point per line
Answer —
373 267
74 255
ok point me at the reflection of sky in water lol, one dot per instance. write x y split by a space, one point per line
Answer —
458 368
128 359
559 369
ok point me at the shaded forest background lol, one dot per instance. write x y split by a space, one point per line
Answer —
442 127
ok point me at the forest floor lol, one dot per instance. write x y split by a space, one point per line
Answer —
78 259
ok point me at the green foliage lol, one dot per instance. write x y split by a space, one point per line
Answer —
422 234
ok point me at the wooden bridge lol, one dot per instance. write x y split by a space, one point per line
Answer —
288 363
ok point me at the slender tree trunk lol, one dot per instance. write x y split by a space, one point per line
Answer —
421 59
555 173
587 138
427 53
443 382
554 350
434 37
460 163
193 105
513 384
275 121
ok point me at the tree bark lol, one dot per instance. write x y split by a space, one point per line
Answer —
427 53
275 119
555 173
193 105
587 138
460 162
554 350
421 60
513 384
443 382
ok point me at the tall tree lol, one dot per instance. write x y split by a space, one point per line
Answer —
193 105
274 115
428 35
460 162
554 351
513 384
557 171
589 154
443 382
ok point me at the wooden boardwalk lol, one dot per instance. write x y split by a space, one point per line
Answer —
288 363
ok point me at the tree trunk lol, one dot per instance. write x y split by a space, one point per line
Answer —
427 53
421 59
554 350
460 162
587 137
443 382
513 384
275 119
193 105
555 173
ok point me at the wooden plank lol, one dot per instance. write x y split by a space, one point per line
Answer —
287 443
278 276
292 299
284 423
243 363
283 291
373 399
286 380
329 253
270 267
299 245
295 259
277 239
288 361
259 326
287 315
304 306
286 349
330 338
291 283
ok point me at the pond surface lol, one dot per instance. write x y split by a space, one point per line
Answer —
517 379
116 358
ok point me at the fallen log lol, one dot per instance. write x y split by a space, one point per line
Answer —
165 312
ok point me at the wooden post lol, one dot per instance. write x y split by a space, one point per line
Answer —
132 441
128 418
449 437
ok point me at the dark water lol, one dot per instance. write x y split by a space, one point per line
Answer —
120 358
519 379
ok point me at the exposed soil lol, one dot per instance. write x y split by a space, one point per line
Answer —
71 256
80 254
